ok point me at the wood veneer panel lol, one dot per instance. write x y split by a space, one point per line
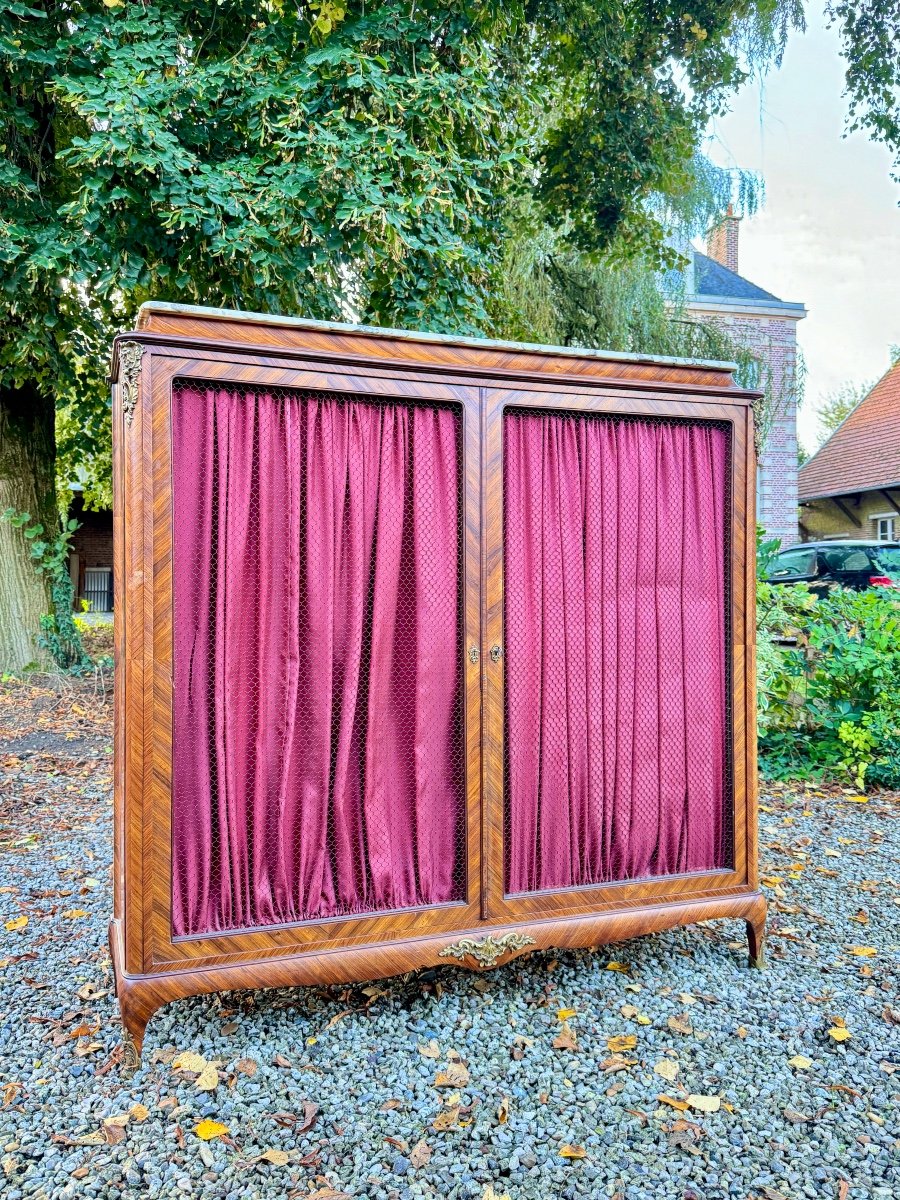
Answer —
566 901
236 330
151 966
160 948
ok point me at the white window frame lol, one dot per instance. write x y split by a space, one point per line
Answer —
890 522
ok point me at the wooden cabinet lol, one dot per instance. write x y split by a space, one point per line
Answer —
428 650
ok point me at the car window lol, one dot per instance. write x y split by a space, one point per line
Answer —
847 558
791 563
887 559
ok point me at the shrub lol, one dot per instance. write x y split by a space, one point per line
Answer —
829 684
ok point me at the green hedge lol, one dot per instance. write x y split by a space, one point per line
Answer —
829 700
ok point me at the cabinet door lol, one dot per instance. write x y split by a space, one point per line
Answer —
322 599
609 602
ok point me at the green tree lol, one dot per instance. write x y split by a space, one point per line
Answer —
333 158
870 41
838 405
553 294
323 160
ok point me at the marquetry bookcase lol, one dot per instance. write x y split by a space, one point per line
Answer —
429 650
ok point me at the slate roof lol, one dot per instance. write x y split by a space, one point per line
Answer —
713 279
864 451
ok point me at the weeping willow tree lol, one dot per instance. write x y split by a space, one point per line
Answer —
550 292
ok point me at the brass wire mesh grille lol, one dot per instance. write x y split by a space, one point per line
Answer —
617 563
319 755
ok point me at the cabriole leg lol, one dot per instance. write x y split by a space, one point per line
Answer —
134 1025
756 941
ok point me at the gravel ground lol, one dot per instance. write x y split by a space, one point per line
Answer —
337 1086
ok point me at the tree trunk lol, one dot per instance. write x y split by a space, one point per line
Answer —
27 484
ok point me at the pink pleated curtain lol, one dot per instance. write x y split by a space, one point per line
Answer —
615 649
318 759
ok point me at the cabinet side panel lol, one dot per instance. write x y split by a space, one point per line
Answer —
130 425
119 653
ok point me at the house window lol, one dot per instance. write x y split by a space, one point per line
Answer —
887 529
98 588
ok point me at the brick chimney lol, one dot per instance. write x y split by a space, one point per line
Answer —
722 241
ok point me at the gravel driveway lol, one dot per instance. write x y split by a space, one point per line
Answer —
331 1092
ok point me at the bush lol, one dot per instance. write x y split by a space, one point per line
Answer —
829 684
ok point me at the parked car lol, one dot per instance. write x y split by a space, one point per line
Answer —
851 564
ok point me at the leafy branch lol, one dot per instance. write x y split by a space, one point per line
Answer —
59 634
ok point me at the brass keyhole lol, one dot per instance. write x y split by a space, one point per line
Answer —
496 653
473 654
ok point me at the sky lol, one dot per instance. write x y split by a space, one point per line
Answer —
828 233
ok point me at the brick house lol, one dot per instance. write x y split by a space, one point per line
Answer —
90 561
767 326
850 488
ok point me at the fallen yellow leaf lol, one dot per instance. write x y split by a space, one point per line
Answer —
139 1112
565 1013
617 1062
681 1105
680 1024
642 1020
624 1041
668 1069
446 1118
72 913
208 1079
17 923
278 1158
206 1130
840 1033
456 1076
565 1039
189 1060
800 1061
572 1152
707 1104
420 1154
863 951
857 799
432 1050
617 966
